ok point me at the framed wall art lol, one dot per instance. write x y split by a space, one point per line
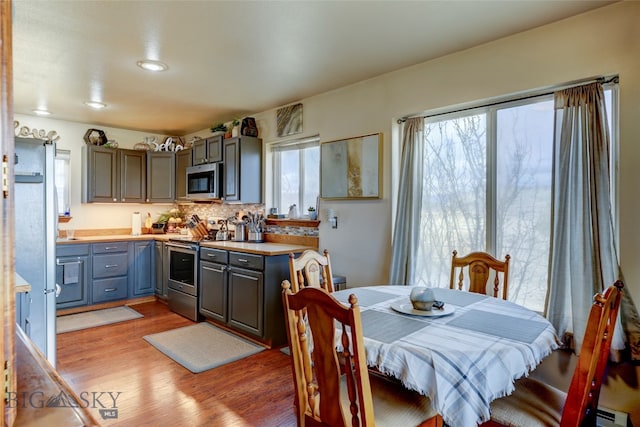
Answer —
351 168
289 120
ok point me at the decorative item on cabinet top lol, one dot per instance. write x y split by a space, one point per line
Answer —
171 143
95 137
218 129
25 132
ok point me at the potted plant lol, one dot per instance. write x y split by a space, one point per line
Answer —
219 129
312 213
235 128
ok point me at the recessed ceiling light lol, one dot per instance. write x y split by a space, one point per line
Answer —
95 104
42 112
150 65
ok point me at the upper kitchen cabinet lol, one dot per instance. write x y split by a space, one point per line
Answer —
161 176
183 161
100 174
207 150
243 169
132 166
114 176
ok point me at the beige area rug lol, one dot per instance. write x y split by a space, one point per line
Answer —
91 319
202 346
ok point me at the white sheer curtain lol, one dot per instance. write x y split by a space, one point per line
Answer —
583 258
406 230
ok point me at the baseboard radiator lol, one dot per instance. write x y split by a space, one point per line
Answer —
610 418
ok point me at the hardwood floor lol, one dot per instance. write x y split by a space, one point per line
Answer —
101 362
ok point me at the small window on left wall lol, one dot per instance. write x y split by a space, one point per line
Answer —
63 181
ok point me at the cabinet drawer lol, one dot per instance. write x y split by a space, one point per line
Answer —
102 248
109 289
72 250
110 265
252 261
213 255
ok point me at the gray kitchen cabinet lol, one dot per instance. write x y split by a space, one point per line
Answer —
207 150
161 270
100 174
132 166
183 161
243 169
244 292
143 268
113 175
246 305
213 284
110 267
72 275
161 177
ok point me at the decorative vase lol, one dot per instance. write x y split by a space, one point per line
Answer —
235 131
313 215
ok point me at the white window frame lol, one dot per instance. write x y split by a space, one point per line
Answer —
276 167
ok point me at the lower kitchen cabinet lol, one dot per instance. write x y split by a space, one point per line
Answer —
161 270
213 295
104 272
246 305
143 268
72 275
244 292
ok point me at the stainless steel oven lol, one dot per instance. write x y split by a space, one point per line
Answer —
183 278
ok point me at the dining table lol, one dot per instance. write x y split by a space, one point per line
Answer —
462 356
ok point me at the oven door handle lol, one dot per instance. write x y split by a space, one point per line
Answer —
177 245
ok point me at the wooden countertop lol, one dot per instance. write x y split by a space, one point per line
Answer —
265 248
21 284
110 238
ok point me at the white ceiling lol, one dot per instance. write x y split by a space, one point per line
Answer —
228 59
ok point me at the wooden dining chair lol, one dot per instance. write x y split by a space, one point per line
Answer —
333 386
535 403
480 266
311 269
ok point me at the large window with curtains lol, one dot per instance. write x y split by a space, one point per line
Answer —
487 186
296 174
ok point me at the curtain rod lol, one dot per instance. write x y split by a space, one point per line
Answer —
601 80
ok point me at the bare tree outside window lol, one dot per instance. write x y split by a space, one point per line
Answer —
456 193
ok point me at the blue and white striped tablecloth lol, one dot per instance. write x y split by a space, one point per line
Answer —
462 361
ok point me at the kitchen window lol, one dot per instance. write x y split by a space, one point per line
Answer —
487 186
295 174
63 181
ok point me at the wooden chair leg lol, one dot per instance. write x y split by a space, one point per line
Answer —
433 422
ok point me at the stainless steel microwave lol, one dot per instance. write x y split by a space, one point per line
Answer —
204 182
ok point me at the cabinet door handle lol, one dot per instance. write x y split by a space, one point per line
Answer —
242 260
212 255
110 265
108 248
111 289
68 262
